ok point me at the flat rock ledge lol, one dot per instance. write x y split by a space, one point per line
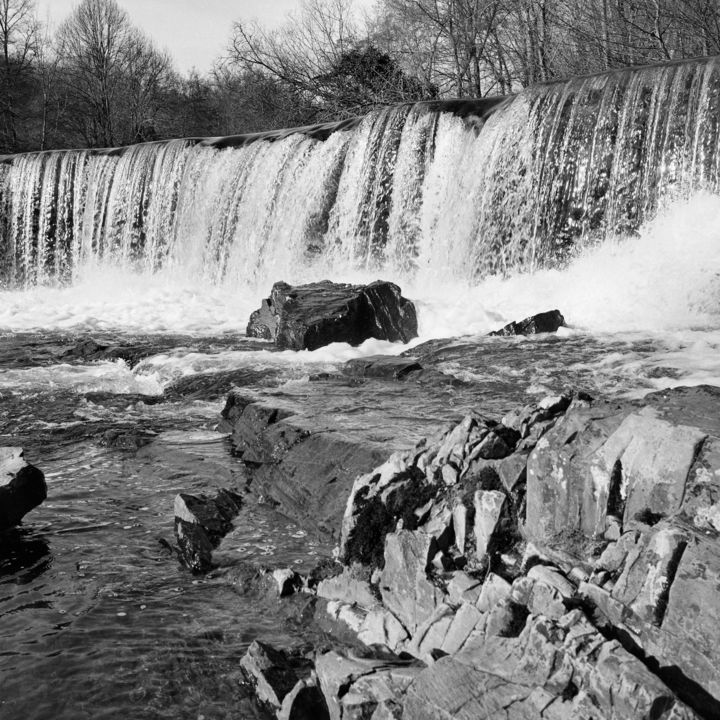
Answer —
561 563
307 317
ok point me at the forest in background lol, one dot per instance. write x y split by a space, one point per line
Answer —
98 80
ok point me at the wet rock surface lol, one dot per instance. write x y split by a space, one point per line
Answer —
306 317
571 575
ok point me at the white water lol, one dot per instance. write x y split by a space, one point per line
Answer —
599 197
662 285
666 278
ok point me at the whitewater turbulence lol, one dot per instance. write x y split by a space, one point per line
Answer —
157 234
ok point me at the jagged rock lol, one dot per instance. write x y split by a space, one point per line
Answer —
430 635
549 321
405 588
195 549
307 465
317 314
463 623
201 523
388 367
352 615
439 525
463 588
270 672
640 558
383 681
547 670
488 511
381 627
493 447
460 523
561 497
512 470
287 581
348 588
552 578
304 702
25 490
539 597
596 462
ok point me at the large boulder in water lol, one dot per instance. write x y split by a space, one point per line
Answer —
306 317
25 491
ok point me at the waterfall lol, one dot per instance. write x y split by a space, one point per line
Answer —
451 190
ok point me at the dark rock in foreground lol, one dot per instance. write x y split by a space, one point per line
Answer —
549 321
306 317
200 525
25 491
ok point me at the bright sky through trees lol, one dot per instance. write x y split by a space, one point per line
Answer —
194 32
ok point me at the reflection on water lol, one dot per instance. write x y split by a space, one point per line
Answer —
24 556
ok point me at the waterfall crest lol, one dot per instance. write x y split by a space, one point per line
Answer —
430 189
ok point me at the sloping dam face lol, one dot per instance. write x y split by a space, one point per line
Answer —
458 189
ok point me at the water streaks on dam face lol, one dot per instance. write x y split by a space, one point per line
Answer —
408 190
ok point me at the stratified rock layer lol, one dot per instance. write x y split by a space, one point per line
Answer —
306 317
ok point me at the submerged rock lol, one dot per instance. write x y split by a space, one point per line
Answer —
389 367
544 322
306 317
25 491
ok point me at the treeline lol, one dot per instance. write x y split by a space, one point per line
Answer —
99 81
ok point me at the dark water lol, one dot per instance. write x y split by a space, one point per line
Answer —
97 619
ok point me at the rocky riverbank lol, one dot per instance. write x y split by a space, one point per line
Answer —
561 563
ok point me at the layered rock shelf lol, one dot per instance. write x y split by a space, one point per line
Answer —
562 562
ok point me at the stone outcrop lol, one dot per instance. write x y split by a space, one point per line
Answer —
561 563
306 317
25 488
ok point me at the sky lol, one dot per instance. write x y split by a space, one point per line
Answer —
194 32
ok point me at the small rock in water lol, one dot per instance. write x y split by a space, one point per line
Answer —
25 491
541 323
307 317
200 525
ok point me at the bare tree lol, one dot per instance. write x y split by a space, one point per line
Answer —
112 71
18 36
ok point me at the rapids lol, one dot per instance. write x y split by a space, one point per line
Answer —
599 196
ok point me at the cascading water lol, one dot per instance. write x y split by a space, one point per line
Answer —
408 189
599 196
